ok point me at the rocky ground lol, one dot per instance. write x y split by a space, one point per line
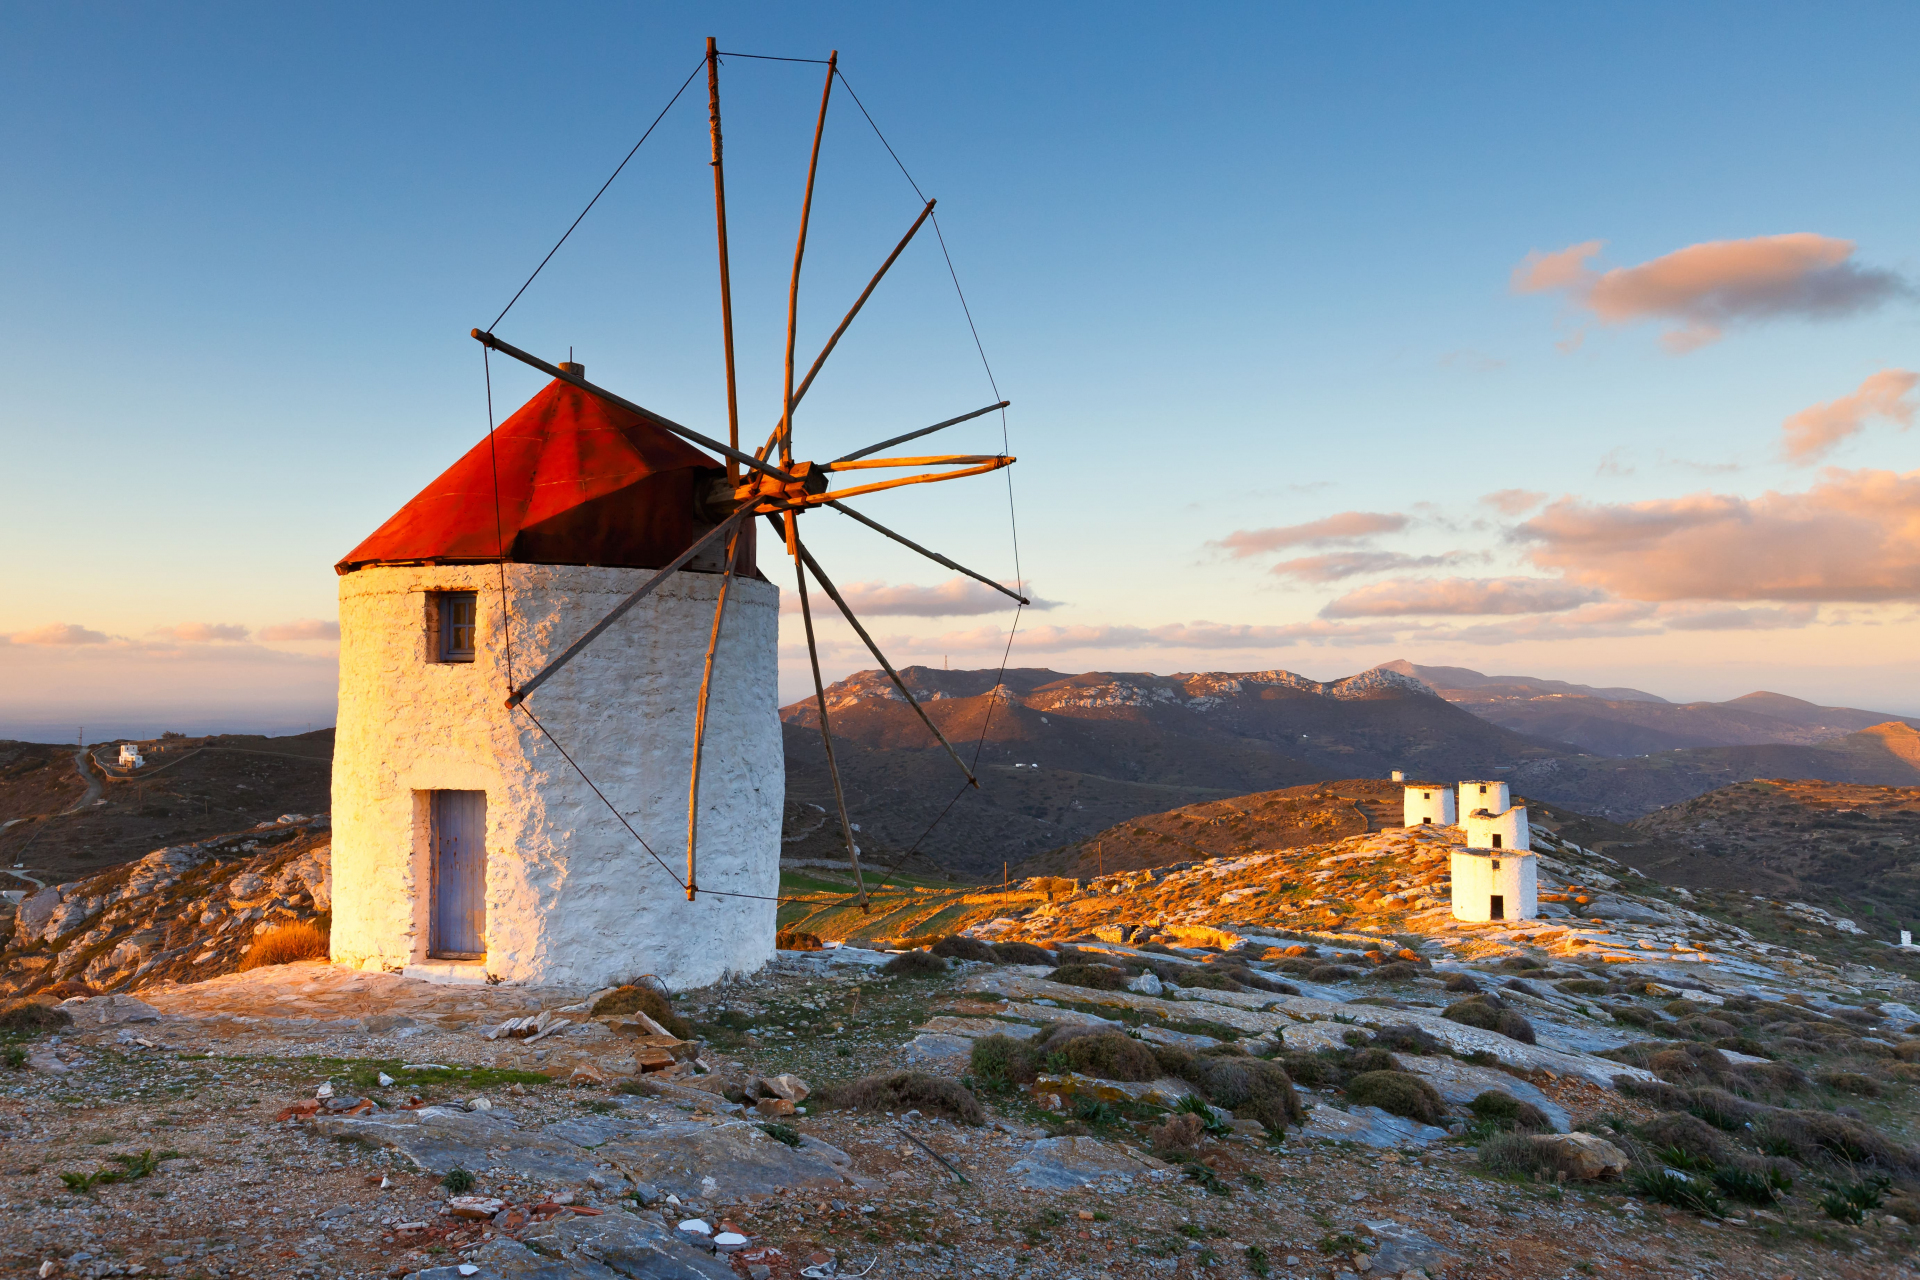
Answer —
1639 1085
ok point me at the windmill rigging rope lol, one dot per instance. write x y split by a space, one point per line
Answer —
1006 447
602 191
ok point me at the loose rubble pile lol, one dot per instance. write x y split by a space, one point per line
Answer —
1189 1073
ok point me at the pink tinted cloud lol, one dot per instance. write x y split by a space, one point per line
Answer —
1347 526
1812 433
1513 501
957 597
202 632
1174 635
60 633
1410 596
1333 566
301 629
1703 288
1853 537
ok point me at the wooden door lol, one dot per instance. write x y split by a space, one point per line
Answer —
1497 908
458 927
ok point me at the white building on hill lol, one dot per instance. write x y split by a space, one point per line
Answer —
1491 796
130 757
1428 804
1496 876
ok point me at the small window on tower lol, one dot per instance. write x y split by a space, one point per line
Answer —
1496 841
456 614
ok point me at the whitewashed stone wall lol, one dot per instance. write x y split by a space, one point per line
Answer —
1491 796
1498 831
1478 876
571 895
1431 804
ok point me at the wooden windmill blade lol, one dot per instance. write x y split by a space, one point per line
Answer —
782 490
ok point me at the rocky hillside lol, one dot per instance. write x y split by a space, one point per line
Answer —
1064 757
1852 847
183 913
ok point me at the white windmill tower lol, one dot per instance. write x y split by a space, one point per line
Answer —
590 550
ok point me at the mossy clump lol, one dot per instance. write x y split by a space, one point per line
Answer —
1488 1014
899 1091
797 940
1689 1134
1331 973
961 947
914 964
1251 1088
1107 1055
631 999
1504 1111
1095 977
1399 1093
1396 971
1582 987
1002 1060
1462 982
1860 1086
1021 953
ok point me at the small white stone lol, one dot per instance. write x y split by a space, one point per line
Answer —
696 1226
324 1091
386 1081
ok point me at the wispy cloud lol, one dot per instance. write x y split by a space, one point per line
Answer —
1347 526
1703 288
1853 537
60 633
201 632
1333 566
1812 433
1414 596
956 597
1513 501
301 629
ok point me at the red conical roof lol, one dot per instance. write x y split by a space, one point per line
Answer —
580 482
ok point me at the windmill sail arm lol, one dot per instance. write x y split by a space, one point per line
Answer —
931 477
646 589
932 460
934 556
827 586
915 435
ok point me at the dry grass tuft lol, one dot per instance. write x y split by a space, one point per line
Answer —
797 940
32 1015
638 999
899 1091
286 944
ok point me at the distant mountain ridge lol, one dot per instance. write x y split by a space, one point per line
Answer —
1063 756
1631 722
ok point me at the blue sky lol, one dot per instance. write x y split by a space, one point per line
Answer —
1238 267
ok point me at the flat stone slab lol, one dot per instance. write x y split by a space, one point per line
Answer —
1461 1082
1166 1092
438 1139
92 1012
731 1160
1176 1039
927 1047
613 1246
1369 1126
1403 1248
1309 1036
1281 1013
1065 1164
980 1027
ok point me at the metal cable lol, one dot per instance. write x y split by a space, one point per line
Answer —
602 191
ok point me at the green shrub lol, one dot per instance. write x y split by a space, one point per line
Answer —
458 1180
1762 1185
1804 1135
1398 1093
1002 1060
1396 971
1851 1202
1021 953
914 964
1095 977
1582 987
1108 1055
1261 1088
961 947
1462 982
1688 1191
780 1133
1404 1038
1330 973
1313 1070
1721 1109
